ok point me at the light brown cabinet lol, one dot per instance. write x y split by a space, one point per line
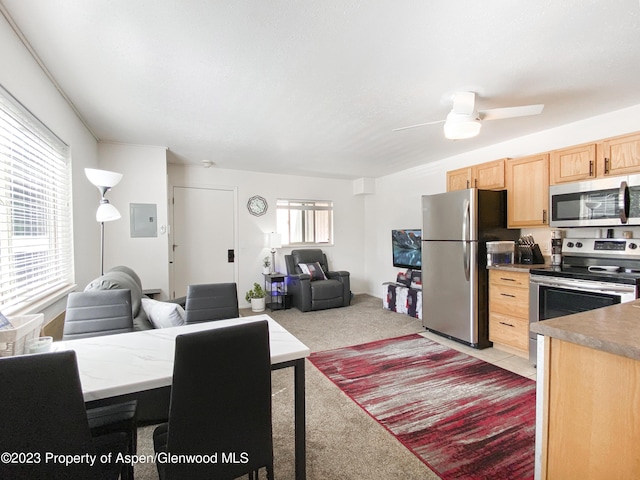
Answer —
609 158
487 176
527 182
591 401
509 311
459 179
619 155
573 164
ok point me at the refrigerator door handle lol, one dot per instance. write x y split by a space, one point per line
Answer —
466 225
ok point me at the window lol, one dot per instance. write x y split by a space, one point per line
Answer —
303 222
36 253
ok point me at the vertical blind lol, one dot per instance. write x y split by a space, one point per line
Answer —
36 250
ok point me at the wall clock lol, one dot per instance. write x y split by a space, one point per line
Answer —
257 205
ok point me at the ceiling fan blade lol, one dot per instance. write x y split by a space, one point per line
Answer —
510 112
464 103
418 125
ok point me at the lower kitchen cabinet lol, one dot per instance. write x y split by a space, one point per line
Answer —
589 421
509 311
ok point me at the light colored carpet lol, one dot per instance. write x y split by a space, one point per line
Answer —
343 441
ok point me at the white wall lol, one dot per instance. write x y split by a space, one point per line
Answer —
26 81
362 222
144 180
348 250
397 204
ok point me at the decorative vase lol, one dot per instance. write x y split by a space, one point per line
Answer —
266 270
257 304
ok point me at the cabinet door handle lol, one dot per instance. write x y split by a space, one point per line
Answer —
508 279
544 216
508 295
606 166
468 183
475 183
591 168
507 324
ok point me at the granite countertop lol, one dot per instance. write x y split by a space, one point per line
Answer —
614 329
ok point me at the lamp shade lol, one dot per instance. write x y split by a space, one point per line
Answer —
102 178
107 212
275 240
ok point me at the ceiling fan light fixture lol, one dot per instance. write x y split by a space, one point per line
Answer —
460 126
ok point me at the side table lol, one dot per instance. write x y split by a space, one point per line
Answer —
275 290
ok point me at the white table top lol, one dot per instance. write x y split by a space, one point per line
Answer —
125 363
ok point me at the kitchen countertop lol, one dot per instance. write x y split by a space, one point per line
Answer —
516 267
614 329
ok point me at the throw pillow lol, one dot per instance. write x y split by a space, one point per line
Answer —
163 314
404 278
314 270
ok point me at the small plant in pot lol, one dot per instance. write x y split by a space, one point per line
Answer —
257 298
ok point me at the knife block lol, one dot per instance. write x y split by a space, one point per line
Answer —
530 254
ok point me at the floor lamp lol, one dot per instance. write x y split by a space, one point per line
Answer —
106 212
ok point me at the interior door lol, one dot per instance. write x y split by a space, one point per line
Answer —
203 237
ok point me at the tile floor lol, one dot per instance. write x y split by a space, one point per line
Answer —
506 360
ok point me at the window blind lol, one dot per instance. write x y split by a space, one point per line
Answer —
305 222
36 241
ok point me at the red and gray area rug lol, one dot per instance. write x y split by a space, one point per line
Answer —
463 417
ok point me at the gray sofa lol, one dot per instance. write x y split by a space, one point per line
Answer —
122 277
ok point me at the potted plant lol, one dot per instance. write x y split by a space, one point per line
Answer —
257 298
266 263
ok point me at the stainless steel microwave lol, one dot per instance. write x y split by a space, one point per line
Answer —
606 202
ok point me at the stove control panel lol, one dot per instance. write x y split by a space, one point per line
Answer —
596 246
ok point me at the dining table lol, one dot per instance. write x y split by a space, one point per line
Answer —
116 366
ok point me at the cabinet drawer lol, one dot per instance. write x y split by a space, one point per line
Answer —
509 300
513 279
508 330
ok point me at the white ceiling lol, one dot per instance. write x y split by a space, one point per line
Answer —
316 87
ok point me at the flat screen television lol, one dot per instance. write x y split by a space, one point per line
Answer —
407 248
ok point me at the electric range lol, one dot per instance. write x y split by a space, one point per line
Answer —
595 273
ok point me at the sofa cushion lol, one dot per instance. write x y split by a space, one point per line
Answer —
314 270
163 314
326 290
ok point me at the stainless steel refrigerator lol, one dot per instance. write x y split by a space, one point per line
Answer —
456 226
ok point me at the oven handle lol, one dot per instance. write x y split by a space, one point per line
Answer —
624 202
581 285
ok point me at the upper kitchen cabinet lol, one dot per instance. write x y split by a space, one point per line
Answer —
459 179
619 155
487 176
527 181
573 164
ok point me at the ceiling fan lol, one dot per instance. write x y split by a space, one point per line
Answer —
464 120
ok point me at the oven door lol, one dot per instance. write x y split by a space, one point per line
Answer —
551 297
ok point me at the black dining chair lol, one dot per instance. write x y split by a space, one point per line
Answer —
43 417
211 301
220 404
96 313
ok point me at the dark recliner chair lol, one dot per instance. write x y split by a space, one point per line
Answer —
309 292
